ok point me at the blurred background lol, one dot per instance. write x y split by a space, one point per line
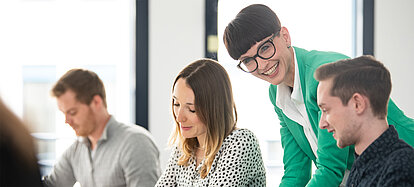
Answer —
137 47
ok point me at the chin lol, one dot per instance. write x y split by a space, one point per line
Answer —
275 80
187 136
274 83
83 134
342 145
78 134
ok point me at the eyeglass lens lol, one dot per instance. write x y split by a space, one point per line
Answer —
266 51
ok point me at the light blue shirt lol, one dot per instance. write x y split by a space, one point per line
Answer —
126 155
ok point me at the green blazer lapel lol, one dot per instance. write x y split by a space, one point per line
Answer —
295 129
309 86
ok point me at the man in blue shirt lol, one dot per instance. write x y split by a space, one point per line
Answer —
107 153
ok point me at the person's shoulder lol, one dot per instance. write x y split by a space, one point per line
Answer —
128 133
315 58
325 56
404 151
241 132
399 166
309 61
129 129
403 157
241 135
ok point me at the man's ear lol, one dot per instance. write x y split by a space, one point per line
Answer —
359 102
96 102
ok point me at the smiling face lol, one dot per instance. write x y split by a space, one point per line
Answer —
278 69
337 118
185 113
78 115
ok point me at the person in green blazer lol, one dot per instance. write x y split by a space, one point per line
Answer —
263 47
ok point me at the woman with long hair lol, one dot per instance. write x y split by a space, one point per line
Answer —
209 149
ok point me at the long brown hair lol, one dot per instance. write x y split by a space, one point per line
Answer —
214 107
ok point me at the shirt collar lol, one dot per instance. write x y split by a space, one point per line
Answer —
108 129
105 134
380 147
297 88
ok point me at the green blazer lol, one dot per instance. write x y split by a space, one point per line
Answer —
332 161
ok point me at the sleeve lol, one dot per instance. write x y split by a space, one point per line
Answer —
331 162
240 163
168 178
140 161
62 173
297 165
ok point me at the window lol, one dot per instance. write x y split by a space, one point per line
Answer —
43 40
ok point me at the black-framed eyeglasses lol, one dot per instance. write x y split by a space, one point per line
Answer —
265 51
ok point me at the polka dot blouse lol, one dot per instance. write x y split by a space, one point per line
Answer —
237 163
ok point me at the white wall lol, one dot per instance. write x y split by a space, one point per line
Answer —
394 46
176 38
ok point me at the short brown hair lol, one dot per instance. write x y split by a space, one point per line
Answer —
214 105
364 75
86 84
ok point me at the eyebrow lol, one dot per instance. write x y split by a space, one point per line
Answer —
69 110
185 103
244 58
321 105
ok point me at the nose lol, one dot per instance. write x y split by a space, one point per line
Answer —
180 116
68 120
261 63
323 124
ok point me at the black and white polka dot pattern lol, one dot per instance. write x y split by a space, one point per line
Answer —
237 163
